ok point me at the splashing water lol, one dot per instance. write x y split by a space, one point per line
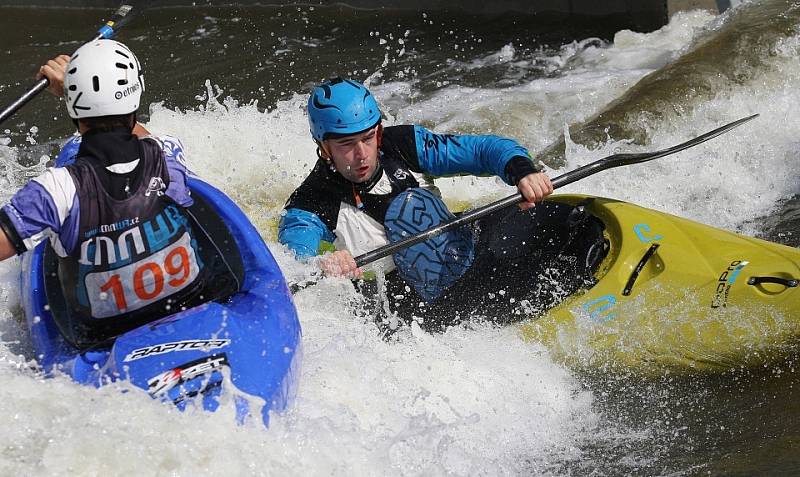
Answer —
466 402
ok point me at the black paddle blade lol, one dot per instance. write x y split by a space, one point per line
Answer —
119 19
626 159
634 158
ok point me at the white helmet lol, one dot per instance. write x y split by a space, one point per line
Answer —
103 78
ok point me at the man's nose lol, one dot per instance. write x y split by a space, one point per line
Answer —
362 151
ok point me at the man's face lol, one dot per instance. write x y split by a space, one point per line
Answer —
356 156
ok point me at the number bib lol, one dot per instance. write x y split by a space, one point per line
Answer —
141 283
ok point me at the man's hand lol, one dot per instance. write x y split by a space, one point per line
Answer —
534 187
6 248
54 70
340 264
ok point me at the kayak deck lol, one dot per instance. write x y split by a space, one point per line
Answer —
674 295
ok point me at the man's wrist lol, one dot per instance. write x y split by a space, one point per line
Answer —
519 167
11 233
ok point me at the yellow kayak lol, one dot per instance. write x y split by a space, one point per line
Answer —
675 296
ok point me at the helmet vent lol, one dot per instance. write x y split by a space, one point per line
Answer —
123 54
73 87
122 82
122 66
96 83
73 70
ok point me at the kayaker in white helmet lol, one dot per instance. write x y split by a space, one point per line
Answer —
371 186
114 209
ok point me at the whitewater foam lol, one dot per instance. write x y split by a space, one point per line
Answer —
466 402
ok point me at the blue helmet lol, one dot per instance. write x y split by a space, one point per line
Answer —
341 106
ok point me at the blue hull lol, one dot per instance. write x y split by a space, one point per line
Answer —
247 345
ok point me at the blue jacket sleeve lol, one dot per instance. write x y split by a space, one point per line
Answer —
447 154
69 151
175 158
302 232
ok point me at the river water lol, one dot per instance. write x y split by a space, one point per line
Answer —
232 82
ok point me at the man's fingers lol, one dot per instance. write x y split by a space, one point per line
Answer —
548 185
327 266
340 264
538 191
356 273
534 188
532 191
54 71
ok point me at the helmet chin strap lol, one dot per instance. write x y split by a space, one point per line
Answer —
322 151
325 155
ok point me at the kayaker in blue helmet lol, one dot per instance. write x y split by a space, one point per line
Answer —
369 181
114 209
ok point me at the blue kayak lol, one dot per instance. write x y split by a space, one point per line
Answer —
246 344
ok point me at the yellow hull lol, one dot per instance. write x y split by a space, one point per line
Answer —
690 309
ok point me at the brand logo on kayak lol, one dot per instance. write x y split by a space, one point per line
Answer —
725 282
188 345
127 91
600 309
161 384
645 234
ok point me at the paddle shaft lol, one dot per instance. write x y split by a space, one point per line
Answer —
120 18
609 162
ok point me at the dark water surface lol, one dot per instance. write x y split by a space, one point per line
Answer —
738 424
268 53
